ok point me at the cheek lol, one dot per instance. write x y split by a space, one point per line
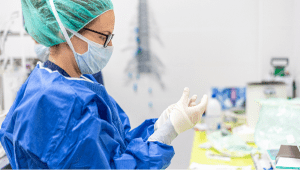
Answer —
79 45
110 43
83 47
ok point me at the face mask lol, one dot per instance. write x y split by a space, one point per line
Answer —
92 61
42 52
95 59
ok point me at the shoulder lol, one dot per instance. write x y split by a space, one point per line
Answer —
41 117
51 85
50 94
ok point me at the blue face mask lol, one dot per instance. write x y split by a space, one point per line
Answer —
42 52
92 61
95 59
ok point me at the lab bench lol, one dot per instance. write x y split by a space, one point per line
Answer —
198 155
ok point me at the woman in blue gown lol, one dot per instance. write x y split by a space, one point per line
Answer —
62 118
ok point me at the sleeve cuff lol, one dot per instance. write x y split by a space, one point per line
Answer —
165 134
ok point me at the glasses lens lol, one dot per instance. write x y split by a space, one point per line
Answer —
109 38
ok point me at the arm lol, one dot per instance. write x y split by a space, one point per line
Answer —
94 143
144 130
139 136
66 134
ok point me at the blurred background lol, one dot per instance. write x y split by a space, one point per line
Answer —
200 43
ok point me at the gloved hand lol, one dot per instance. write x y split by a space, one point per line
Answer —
184 117
166 113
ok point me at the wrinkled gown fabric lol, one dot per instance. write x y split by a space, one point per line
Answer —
59 122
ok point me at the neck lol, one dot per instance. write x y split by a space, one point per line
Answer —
64 58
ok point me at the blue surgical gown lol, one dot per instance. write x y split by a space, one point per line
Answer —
59 122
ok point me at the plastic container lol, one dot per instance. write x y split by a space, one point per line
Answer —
213 117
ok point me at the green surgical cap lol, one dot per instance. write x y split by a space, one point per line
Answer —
41 24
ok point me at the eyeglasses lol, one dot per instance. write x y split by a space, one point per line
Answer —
108 37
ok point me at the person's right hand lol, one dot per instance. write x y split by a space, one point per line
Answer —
178 118
184 117
166 113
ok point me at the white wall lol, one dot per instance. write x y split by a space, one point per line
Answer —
206 43
8 7
277 32
296 48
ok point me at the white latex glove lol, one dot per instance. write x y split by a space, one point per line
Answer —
166 113
184 117
192 101
166 133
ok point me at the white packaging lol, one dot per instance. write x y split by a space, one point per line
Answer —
213 114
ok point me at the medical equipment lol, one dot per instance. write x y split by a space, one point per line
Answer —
145 62
244 132
213 114
279 68
280 74
278 123
230 98
6 27
261 90
12 73
230 144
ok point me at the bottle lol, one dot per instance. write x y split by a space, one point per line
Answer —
213 117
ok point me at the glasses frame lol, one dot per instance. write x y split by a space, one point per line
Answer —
108 37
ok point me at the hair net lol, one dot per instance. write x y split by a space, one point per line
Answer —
41 24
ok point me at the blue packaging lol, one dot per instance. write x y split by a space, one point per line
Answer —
232 98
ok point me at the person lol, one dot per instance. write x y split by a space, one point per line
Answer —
63 119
